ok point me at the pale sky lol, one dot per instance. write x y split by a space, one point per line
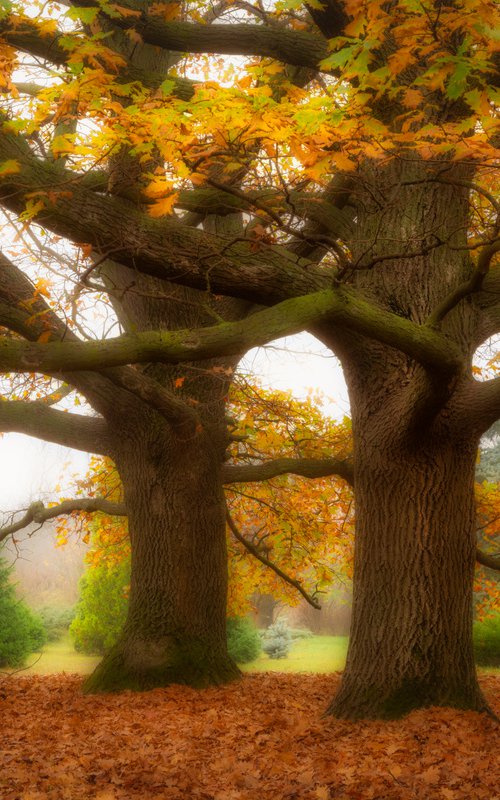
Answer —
30 469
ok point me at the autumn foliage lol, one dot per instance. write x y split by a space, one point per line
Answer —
263 739
303 526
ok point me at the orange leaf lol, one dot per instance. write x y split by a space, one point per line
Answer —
163 207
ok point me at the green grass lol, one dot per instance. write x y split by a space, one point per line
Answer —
317 654
59 656
322 654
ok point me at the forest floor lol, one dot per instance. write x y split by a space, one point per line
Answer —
261 739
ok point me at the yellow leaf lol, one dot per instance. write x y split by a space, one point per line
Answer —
9 167
125 12
162 207
178 382
44 337
344 163
197 178
167 11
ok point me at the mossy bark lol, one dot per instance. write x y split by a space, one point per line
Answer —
175 629
411 635
415 446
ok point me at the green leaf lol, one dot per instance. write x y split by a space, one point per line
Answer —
83 14
167 87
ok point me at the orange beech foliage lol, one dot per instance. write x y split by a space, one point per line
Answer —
303 526
261 739
487 585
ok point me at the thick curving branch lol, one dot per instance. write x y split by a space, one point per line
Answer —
482 403
487 300
487 560
39 513
469 287
31 316
305 467
342 307
37 419
329 16
264 560
25 36
297 48
163 248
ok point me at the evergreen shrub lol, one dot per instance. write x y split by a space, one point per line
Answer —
21 631
487 642
277 640
243 640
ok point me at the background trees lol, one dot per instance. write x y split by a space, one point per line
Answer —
21 632
351 161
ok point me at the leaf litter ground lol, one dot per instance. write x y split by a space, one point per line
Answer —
261 739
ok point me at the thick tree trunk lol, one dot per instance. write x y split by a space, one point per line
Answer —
175 630
411 635
415 451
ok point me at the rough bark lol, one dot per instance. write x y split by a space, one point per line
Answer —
175 629
414 457
411 642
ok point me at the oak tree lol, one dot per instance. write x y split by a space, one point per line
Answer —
337 176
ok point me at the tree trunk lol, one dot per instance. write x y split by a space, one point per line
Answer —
411 634
175 630
414 452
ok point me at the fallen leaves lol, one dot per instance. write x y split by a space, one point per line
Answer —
261 739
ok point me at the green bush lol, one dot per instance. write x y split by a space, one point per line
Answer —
56 620
277 640
243 640
487 642
102 608
21 631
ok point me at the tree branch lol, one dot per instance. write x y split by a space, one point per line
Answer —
306 467
262 558
297 48
486 560
342 307
79 432
482 403
331 18
25 36
33 318
182 417
487 300
473 285
39 513
163 248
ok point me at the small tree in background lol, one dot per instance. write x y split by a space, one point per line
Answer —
56 620
102 608
21 632
277 640
243 640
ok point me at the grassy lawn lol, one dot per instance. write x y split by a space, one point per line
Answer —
320 654
59 656
317 654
